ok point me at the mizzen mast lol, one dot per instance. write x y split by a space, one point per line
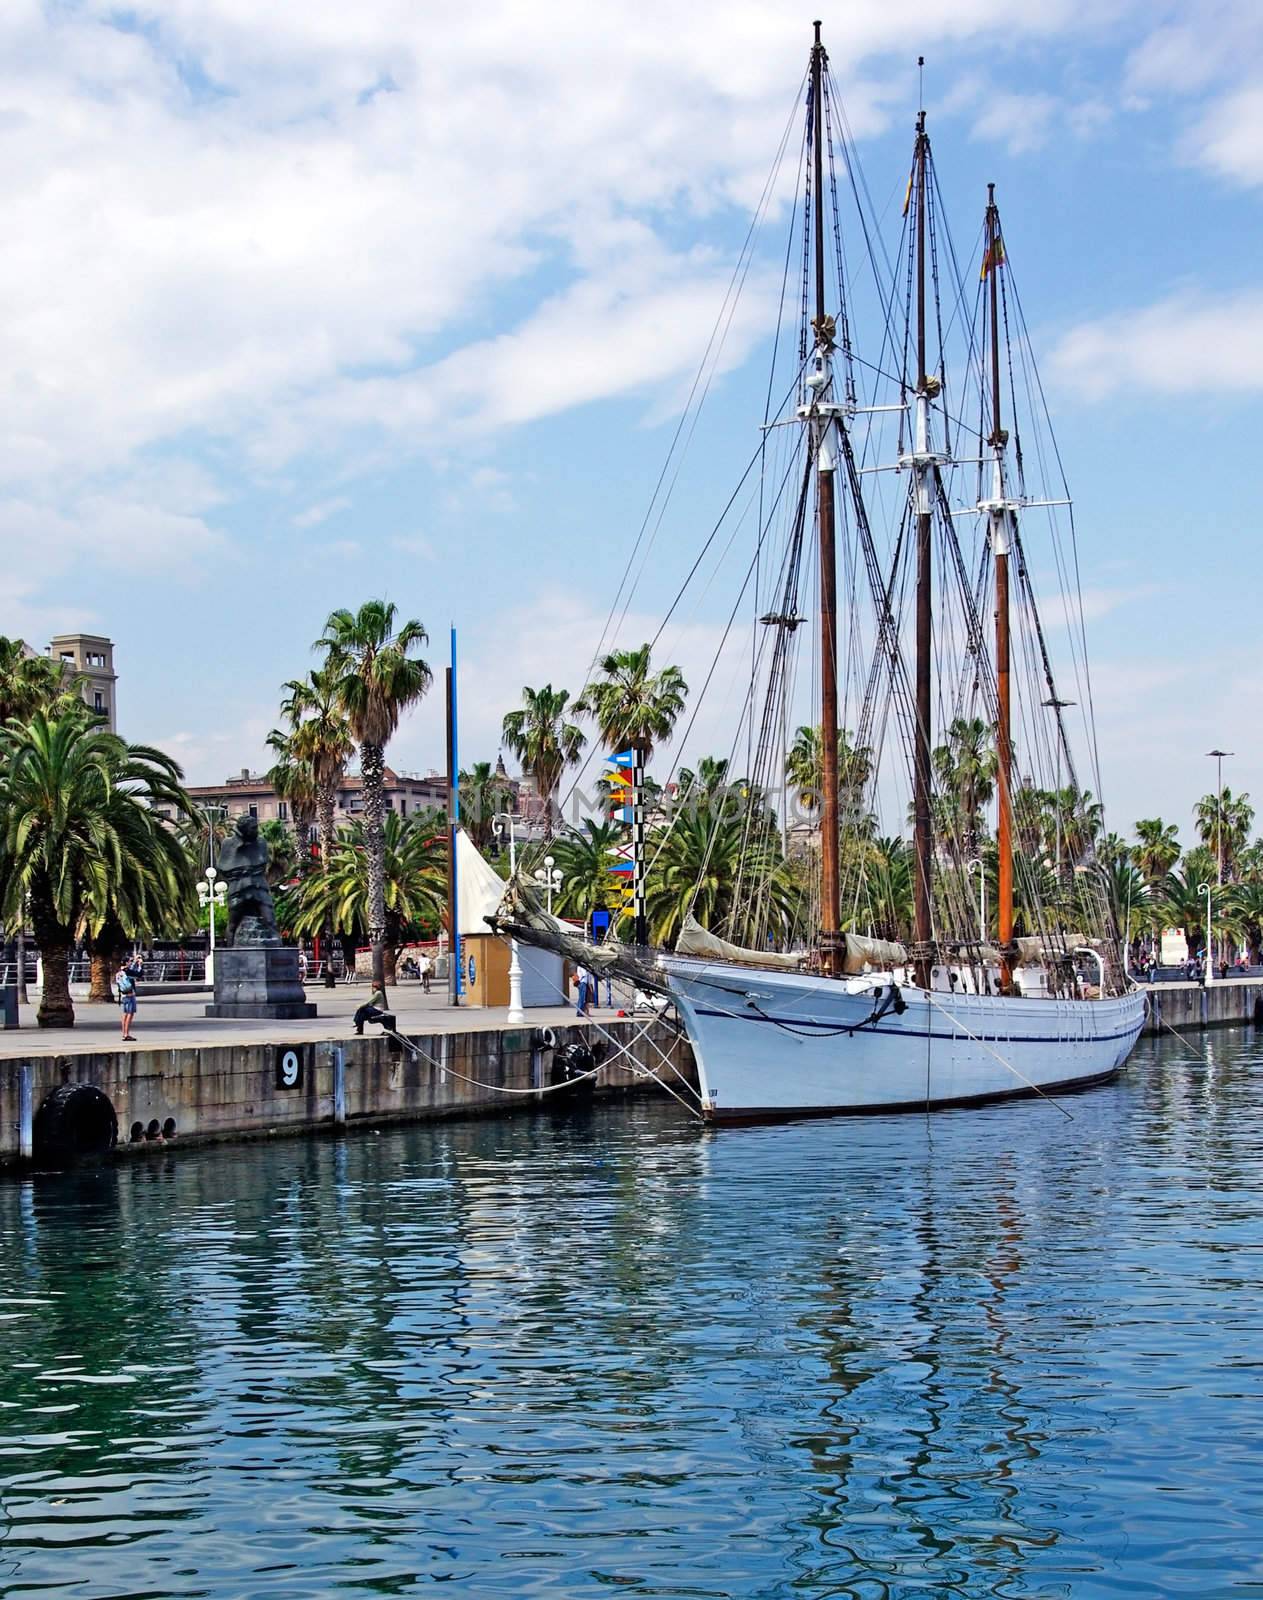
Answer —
999 511
820 413
924 465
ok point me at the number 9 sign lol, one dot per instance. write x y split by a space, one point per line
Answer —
289 1068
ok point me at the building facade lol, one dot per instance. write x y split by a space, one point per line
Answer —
250 794
90 657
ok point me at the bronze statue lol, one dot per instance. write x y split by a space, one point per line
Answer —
243 862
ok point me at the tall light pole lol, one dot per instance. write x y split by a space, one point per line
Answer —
550 876
1210 954
211 893
1219 803
1057 706
505 822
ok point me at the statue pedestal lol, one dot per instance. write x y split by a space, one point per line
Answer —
259 980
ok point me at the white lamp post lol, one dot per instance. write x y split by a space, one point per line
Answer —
504 822
1210 952
212 893
982 895
550 876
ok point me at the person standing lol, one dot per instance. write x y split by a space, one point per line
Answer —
125 987
426 967
585 991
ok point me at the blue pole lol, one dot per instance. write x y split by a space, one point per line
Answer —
459 987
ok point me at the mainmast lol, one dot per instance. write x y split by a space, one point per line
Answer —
999 510
923 464
821 413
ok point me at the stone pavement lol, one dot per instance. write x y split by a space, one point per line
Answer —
179 1021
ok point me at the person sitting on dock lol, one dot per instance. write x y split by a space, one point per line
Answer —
374 1010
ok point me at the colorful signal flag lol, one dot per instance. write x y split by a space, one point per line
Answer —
619 866
624 758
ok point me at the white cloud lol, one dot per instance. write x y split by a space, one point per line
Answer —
1229 138
321 512
1184 344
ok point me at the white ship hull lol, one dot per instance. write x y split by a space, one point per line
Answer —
781 1044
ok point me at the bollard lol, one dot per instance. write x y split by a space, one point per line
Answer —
339 1086
9 1004
26 1113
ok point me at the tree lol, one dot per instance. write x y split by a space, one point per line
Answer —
78 828
30 683
966 767
804 770
294 780
633 707
378 675
484 790
583 857
1223 825
543 741
727 870
885 902
1245 916
1157 848
414 882
320 741
1179 901
283 855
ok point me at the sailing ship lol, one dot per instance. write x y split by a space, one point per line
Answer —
852 1017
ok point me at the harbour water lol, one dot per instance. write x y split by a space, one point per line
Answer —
999 1353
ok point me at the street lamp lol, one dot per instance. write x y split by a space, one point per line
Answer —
1057 706
504 822
1219 803
550 876
982 895
1205 889
211 892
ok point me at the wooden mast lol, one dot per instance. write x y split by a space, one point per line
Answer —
923 840
822 424
1000 546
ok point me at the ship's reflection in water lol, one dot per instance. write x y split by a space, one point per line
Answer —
988 1353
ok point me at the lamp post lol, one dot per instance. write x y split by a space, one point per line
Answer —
1057 706
982 895
211 892
550 876
505 822
1210 954
1219 804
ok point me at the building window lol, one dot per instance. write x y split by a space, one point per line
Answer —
68 655
403 807
282 810
98 702
254 811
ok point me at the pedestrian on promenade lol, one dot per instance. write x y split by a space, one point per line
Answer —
427 967
374 1010
585 991
302 965
125 988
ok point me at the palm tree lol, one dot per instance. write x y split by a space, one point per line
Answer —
29 683
543 741
282 854
414 882
321 742
76 802
966 768
804 769
153 892
484 790
1157 848
584 856
1245 914
729 875
292 777
885 900
1180 902
633 707
378 676
1223 825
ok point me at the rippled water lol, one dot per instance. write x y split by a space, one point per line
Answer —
994 1353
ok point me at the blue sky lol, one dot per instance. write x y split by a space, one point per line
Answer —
302 307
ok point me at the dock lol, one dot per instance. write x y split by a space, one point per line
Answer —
188 1079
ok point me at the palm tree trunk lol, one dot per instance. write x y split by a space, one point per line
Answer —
99 963
20 953
55 1007
372 764
325 807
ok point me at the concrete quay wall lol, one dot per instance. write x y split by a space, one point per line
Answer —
1187 1007
260 1089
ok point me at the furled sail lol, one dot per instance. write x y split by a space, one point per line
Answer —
694 940
521 916
872 955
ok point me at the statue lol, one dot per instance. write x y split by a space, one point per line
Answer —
243 862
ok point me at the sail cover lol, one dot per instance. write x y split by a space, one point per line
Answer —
864 953
479 888
1050 947
694 940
